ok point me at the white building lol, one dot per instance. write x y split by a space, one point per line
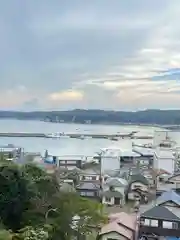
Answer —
164 159
110 160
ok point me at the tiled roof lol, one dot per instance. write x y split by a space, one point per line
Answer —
168 196
138 178
144 151
160 171
128 220
109 193
88 186
115 227
160 212
116 182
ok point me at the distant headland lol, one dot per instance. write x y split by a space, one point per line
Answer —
151 116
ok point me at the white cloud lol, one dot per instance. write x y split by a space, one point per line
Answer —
69 95
105 54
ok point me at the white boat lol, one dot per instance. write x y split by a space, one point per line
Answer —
56 135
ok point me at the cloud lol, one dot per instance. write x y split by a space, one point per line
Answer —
69 95
90 54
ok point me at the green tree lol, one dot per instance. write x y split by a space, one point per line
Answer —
44 188
30 233
14 197
5 235
70 205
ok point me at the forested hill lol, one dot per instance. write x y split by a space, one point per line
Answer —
99 116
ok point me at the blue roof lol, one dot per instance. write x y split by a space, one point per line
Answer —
172 238
169 196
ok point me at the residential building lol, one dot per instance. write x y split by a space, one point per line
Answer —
175 178
121 226
169 199
161 221
164 159
138 187
90 174
89 190
70 162
114 191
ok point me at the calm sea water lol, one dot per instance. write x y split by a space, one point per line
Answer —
67 146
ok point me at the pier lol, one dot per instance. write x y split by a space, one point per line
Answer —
73 135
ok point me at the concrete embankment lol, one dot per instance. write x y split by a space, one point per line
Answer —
39 135
73 135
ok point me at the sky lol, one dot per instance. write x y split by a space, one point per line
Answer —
98 54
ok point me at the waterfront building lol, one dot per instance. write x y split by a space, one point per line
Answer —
11 152
70 161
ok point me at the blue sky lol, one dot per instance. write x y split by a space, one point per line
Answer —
121 55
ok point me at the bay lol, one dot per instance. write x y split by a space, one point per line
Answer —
66 146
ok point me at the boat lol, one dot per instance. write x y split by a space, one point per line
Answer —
56 135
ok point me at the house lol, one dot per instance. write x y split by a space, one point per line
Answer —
70 162
90 174
112 197
170 199
118 184
89 189
175 178
114 191
67 188
137 188
160 220
122 226
162 175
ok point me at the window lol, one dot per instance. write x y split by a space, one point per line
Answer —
88 178
175 225
83 193
154 223
107 199
151 222
137 186
167 224
147 222
88 194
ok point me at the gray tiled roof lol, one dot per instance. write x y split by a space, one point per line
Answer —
139 178
116 182
160 212
88 186
90 171
112 194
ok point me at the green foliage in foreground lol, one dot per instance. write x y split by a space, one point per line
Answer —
32 206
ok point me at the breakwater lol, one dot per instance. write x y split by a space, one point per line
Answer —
72 135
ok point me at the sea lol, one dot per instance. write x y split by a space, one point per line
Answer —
68 146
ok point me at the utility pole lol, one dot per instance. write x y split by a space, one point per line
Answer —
100 162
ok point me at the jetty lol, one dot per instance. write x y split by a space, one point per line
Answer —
71 135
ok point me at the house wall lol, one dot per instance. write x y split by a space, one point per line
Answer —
165 161
118 189
112 235
111 202
90 177
139 185
176 179
110 163
159 136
